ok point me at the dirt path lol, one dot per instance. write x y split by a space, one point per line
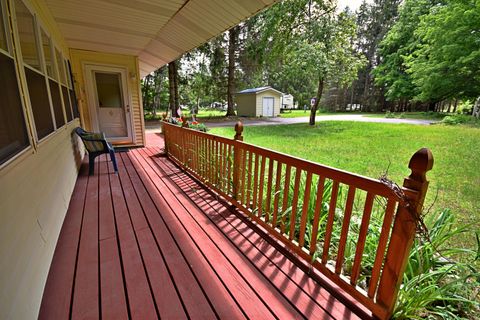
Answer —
280 121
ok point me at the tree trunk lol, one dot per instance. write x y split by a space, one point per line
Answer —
455 106
232 49
146 89
171 89
158 87
476 108
313 109
177 100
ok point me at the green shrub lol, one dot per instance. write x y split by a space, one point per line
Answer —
461 119
389 114
437 284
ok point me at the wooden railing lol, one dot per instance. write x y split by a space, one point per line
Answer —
321 213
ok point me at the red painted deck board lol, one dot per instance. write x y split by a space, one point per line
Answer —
151 242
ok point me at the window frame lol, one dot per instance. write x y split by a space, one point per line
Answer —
43 72
7 14
68 86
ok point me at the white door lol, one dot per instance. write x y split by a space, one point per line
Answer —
108 102
268 103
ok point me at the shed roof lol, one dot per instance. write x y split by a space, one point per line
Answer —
258 90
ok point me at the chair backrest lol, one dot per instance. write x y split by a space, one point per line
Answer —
94 142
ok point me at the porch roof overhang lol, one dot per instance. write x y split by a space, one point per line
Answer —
157 31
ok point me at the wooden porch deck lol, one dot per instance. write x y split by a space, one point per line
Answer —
152 243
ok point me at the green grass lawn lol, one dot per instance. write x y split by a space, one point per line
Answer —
372 148
411 115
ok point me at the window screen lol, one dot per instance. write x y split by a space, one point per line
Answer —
61 68
26 31
73 97
13 132
108 90
47 52
57 103
3 34
37 89
68 107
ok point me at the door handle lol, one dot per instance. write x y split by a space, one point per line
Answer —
127 107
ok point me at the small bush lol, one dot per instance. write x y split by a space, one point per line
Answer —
437 283
389 114
461 119
401 115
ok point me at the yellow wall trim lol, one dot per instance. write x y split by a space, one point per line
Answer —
81 57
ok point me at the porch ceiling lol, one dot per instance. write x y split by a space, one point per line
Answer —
156 31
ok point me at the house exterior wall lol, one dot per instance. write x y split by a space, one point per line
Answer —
80 57
246 105
35 190
276 102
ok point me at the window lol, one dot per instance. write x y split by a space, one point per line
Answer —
61 67
57 103
26 31
37 85
68 107
56 95
40 104
73 98
47 53
3 33
13 131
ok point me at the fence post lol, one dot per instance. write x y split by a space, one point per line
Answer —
237 159
404 228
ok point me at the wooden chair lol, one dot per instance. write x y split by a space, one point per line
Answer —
96 144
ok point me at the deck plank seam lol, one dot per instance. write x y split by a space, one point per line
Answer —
181 252
117 238
177 174
209 203
78 245
341 296
212 268
122 166
176 195
159 248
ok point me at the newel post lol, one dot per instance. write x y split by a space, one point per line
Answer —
165 136
184 122
237 159
404 228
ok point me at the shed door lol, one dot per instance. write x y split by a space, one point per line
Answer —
268 103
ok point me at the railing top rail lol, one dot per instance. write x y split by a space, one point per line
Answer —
342 176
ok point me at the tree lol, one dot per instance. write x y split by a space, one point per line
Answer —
158 76
447 63
373 21
173 88
400 43
232 51
308 40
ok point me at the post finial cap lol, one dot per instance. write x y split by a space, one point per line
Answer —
420 163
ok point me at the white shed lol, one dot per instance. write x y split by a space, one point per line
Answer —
259 102
287 101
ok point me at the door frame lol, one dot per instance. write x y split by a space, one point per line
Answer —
91 92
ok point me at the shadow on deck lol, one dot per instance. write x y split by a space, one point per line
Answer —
151 243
